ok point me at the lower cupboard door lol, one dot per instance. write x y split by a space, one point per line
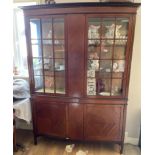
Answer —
51 120
103 122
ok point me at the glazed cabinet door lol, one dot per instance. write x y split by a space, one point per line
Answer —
51 119
107 48
48 50
103 122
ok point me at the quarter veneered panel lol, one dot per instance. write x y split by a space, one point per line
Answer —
51 119
103 122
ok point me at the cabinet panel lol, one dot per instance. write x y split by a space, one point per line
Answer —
76 54
75 121
103 122
51 119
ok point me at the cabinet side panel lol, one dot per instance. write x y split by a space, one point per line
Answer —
76 33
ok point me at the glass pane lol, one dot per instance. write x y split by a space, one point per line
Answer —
118 65
60 73
91 86
121 28
38 83
59 64
105 66
103 87
93 49
49 84
119 49
108 28
48 64
117 74
47 42
59 49
94 28
120 42
37 66
94 43
35 42
35 28
58 28
93 65
48 73
91 73
116 87
36 51
103 74
48 51
46 28
60 85
106 49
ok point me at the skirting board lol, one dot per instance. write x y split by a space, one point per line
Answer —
131 140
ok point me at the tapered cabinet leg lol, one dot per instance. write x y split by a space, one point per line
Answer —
35 140
121 148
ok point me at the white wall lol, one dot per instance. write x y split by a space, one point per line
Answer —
134 103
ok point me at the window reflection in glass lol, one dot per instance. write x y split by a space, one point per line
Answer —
39 83
35 28
58 25
47 28
36 50
37 66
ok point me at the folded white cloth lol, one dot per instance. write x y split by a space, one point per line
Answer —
21 89
23 109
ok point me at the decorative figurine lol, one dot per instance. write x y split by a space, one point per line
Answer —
100 86
91 73
118 34
91 86
93 63
93 33
110 31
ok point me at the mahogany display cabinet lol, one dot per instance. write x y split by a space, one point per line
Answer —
79 58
